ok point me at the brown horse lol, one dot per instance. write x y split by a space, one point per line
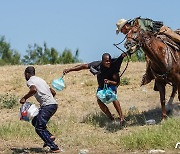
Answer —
165 62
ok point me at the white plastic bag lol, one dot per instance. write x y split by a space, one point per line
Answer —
28 111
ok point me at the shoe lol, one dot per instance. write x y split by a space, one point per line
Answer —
52 138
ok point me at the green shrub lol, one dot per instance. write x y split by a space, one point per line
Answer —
8 101
137 56
125 81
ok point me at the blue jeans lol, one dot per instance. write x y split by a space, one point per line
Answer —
40 121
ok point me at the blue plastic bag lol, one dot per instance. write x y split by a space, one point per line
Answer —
106 95
58 84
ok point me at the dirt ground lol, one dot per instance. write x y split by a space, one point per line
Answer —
78 100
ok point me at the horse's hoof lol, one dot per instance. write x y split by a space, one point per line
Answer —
162 121
168 111
164 117
169 108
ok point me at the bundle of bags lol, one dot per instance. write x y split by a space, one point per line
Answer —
28 111
106 95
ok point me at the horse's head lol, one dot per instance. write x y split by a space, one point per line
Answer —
134 39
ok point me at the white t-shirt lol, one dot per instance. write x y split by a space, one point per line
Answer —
43 94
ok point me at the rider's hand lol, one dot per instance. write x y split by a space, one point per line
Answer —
124 55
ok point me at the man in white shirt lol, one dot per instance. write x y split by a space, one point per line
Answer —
48 106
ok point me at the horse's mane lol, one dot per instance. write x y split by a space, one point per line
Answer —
150 34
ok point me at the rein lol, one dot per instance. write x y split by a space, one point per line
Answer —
116 45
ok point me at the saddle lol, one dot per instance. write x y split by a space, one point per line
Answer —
170 37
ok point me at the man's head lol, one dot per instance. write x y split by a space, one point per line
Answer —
29 71
106 60
122 26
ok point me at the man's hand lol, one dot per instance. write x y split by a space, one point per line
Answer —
106 81
23 100
65 71
114 83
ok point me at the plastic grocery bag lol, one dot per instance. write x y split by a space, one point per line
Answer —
28 111
106 95
58 84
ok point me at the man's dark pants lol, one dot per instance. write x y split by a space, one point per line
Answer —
40 121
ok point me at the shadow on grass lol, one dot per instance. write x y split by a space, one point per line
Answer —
101 120
133 118
28 150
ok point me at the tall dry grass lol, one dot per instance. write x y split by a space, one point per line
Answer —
79 122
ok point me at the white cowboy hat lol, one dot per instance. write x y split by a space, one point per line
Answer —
120 24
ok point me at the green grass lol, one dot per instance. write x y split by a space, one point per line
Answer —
72 133
165 136
16 129
22 129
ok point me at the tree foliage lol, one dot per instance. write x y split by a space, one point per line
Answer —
40 55
43 55
137 56
35 54
8 55
67 57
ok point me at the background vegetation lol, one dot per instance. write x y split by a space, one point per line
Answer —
39 55
35 54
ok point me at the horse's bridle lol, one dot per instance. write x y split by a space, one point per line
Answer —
134 43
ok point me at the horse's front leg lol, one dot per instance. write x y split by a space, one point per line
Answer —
169 106
161 89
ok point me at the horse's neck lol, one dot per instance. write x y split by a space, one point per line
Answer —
150 48
157 52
